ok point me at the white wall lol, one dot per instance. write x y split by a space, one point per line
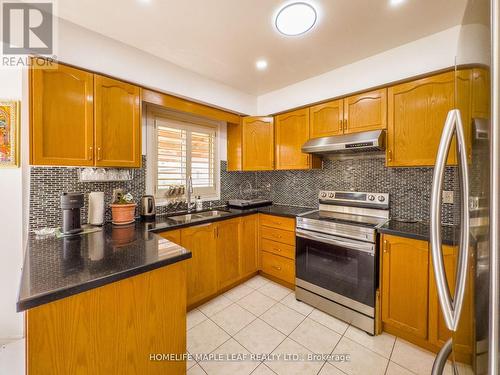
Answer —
421 56
87 49
11 223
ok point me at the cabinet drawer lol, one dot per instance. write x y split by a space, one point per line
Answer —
282 268
278 235
278 248
277 222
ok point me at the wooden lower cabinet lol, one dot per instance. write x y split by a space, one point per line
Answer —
112 329
173 236
280 267
410 303
249 240
405 282
228 252
201 269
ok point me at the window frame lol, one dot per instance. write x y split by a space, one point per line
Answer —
190 123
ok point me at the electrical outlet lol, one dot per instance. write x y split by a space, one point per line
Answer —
448 197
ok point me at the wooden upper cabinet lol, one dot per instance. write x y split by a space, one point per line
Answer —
228 252
327 119
366 111
258 143
234 146
117 123
201 268
405 280
62 123
292 131
417 111
249 232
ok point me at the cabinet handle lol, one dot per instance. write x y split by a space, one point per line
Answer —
386 246
91 153
340 126
278 268
276 249
99 153
345 125
389 155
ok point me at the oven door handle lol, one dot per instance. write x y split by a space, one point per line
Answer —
352 245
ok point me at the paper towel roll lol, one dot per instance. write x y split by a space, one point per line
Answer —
96 208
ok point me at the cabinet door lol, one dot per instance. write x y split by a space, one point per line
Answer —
201 269
417 111
405 278
327 119
234 146
62 119
481 93
292 131
366 111
258 143
228 252
117 123
249 245
173 236
438 332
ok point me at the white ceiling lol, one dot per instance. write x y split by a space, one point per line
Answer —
222 39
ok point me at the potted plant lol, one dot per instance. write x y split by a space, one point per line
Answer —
123 209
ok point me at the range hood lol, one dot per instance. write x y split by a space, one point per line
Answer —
357 142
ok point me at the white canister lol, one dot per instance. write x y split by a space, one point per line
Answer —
96 208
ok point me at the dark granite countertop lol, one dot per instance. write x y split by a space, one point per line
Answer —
420 231
55 268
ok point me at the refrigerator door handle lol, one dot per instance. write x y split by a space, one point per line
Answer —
451 308
441 358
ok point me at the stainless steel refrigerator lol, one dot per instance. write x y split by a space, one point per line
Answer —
469 299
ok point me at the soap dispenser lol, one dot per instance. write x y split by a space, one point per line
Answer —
199 203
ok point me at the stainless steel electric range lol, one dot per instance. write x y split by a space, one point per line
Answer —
337 255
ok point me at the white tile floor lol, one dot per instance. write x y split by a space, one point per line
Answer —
262 317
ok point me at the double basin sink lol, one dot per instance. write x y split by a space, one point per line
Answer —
197 216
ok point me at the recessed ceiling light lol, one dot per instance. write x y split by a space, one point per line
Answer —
296 19
144 1
395 3
261 64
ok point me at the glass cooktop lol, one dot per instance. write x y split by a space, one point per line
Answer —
339 217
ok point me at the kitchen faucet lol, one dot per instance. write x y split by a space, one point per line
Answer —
189 192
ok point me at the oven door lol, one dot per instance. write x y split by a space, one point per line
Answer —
343 266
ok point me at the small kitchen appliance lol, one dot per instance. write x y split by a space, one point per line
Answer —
337 255
71 203
148 207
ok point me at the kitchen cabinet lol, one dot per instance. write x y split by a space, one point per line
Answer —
327 119
112 329
292 131
249 249
277 248
117 123
228 252
356 113
417 111
62 117
405 281
438 332
201 268
173 236
234 146
480 93
366 111
83 119
258 143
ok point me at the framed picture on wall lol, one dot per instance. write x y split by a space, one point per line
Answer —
9 134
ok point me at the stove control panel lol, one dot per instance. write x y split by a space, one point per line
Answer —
354 198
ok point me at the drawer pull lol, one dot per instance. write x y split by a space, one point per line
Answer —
276 249
277 268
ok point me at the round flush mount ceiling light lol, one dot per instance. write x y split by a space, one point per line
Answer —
395 3
261 64
296 19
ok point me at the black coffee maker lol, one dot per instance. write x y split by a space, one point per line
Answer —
71 203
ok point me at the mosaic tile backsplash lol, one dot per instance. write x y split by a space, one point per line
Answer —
409 188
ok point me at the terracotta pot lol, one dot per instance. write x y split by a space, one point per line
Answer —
123 213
